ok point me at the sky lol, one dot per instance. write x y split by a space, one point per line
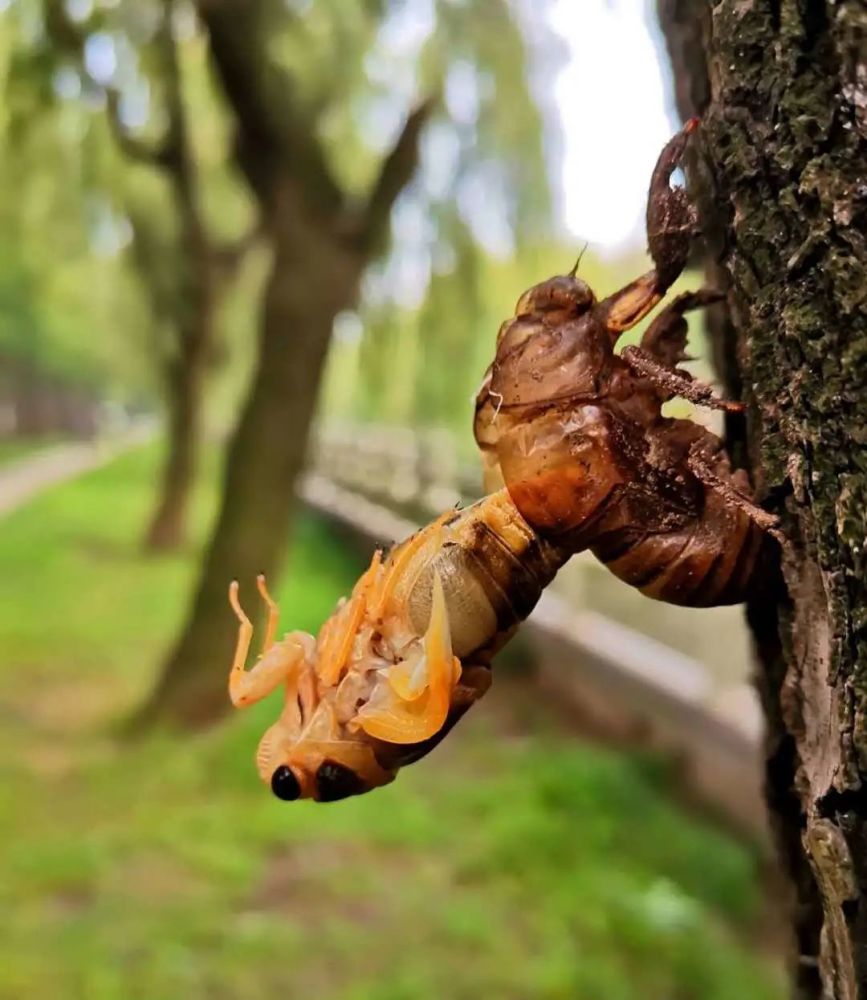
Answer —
604 102
613 112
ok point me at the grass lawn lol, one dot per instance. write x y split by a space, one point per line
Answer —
14 449
513 862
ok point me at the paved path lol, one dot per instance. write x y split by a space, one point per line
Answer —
22 480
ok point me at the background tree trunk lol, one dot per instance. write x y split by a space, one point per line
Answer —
183 399
191 309
781 182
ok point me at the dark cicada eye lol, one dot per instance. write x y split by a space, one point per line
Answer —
334 782
284 784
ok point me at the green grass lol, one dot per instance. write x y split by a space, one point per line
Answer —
513 862
14 449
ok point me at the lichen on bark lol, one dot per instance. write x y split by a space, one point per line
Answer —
781 181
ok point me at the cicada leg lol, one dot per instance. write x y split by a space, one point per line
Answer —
670 382
663 348
671 225
278 662
665 338
273 613
701 465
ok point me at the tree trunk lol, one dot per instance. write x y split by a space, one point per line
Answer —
190 310
313 277
189 307
184 389
781 182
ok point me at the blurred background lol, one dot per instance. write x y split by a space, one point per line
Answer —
253 258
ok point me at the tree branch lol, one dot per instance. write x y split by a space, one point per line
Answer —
396 172
274 136
155 154
228 257
70 38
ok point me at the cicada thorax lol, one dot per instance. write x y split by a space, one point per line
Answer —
405 656
590 462
541 359
561 471
541 417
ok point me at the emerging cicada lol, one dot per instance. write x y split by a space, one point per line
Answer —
588 460
401 660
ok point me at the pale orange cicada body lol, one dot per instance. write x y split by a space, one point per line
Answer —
400 660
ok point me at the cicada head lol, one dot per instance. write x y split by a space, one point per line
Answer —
356 712
326 760
333 742
564 295
312 753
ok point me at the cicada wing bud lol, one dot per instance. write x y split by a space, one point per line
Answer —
413 704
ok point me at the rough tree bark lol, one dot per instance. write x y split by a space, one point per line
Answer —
781 182
321 245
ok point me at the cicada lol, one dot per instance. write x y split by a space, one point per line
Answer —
576 434
401 659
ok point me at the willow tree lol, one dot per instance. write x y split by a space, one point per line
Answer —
63 290
293 79
184 266
782 191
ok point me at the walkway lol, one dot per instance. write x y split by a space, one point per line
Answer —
24 479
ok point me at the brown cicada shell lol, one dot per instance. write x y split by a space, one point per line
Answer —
577 432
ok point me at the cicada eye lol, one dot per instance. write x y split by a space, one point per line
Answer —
284 784
335 781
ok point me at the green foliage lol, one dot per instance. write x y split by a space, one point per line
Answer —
512 862
72 299
16 449
68 296
482 191
66 306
